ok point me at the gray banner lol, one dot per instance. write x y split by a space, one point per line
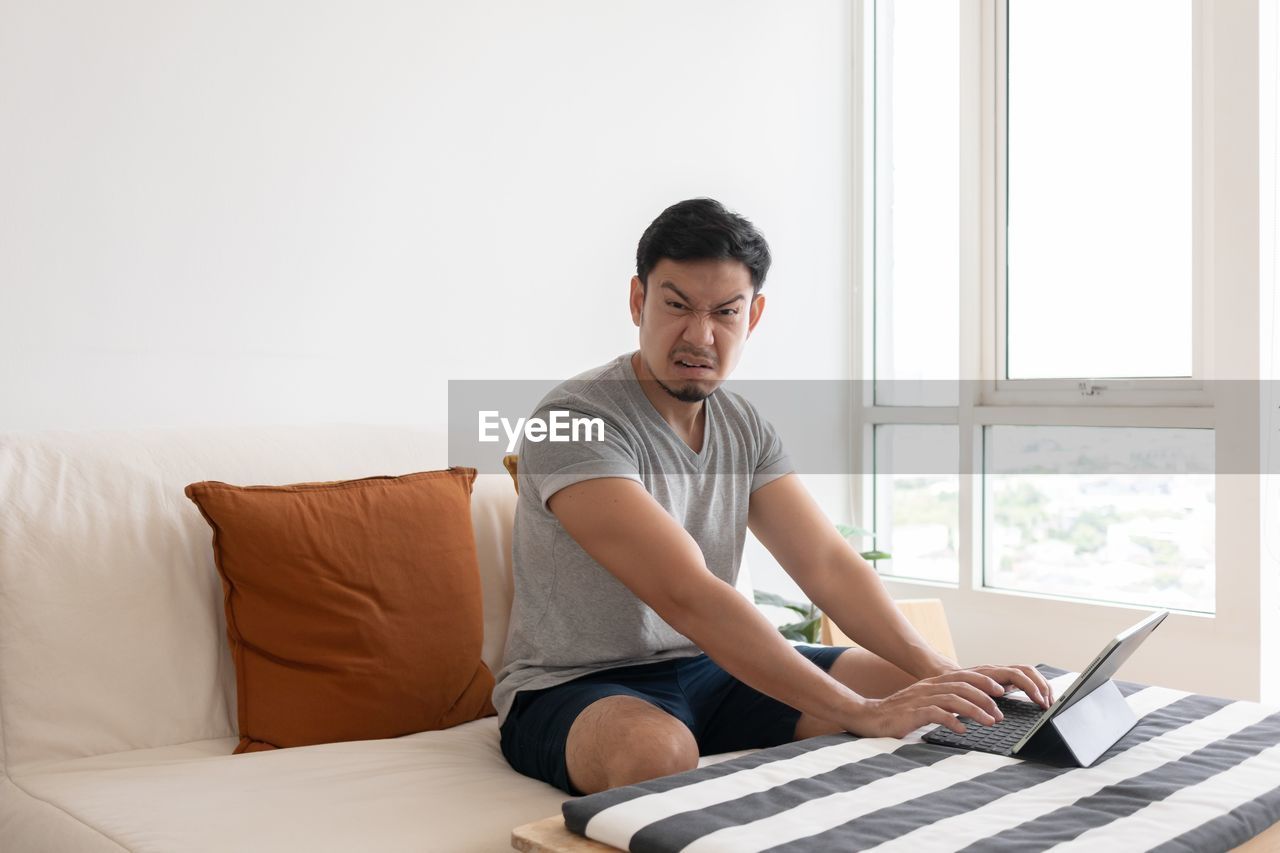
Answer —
818 423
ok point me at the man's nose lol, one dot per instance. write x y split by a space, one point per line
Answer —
698 330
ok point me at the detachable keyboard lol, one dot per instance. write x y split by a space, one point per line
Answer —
1019 717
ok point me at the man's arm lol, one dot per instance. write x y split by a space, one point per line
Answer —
625 530
787 521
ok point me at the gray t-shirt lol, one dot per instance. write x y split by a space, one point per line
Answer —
570 616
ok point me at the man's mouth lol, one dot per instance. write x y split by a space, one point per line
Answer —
693 364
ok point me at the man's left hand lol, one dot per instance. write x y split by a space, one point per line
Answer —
1025 678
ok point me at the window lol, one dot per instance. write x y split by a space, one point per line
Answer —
1053 235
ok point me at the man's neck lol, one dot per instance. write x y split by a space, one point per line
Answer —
685 418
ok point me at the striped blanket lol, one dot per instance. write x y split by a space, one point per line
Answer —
1195 774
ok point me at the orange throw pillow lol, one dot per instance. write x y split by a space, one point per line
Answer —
353 607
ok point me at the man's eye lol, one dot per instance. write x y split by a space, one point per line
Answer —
729 312
676 305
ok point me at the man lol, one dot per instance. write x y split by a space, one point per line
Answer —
630 652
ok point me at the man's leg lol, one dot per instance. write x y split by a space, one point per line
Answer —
622 740
615 727
862 672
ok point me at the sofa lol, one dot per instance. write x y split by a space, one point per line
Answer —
117 691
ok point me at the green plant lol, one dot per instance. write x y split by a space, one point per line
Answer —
809 625
846 531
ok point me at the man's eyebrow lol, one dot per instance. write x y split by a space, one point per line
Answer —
669 286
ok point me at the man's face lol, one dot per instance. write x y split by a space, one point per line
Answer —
694 318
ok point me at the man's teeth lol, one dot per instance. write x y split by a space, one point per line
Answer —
687 364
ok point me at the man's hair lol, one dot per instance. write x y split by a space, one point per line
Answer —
702 229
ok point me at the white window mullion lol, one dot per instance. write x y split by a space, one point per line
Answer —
995 188
862 241
910 415
977 201
1098 416
1202 323
979 352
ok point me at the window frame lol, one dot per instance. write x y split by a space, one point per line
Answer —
1165 391
1226 345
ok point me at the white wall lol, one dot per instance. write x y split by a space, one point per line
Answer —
282 211
1269 317
249 212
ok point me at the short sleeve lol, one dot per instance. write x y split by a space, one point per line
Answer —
576 446
773 461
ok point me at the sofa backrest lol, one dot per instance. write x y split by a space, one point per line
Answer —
112 630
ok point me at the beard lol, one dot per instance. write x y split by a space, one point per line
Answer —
687 394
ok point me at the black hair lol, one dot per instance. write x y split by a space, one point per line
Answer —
701 228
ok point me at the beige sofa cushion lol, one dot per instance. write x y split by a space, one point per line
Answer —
448 790
445 790
112 633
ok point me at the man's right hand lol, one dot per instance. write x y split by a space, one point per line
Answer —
934 700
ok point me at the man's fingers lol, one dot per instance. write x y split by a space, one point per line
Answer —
971 694
957 704
980 680
1043 683
983 682
964 692
1035 687
993 680
941 717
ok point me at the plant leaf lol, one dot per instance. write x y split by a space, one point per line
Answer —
846 531
876 555
775 600
805 631
793 632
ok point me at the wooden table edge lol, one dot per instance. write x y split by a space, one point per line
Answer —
550 835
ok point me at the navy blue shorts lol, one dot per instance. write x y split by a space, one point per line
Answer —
724 714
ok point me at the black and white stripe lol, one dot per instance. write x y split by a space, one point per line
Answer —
1196 773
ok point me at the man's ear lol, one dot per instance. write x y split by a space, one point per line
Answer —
637 299
754 312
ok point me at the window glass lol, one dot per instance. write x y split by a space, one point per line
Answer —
1099 228
1113 514
917 486
917 184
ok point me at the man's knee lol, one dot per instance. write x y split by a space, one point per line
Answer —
622 740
